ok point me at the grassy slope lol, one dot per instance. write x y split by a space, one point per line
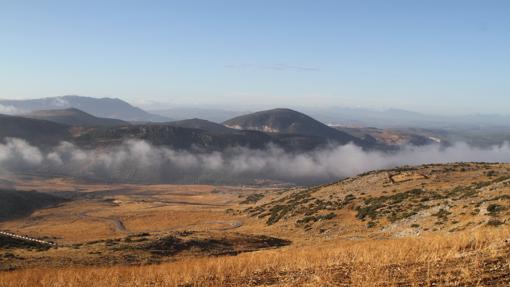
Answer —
400 202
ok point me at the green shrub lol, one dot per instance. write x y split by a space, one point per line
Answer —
495 222
495 209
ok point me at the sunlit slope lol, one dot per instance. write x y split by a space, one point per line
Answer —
399 202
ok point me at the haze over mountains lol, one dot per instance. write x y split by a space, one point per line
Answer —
284 127
217 115
355 117
341 116
291 130
99 107
262 145
73 117
398 118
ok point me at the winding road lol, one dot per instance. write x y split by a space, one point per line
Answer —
117 223
121 228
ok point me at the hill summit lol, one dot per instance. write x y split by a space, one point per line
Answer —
288 121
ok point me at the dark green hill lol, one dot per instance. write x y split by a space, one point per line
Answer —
15 203
188 138
203 125
36 132
286 121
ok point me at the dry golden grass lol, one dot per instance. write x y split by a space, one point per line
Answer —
141 208
472 259
319 256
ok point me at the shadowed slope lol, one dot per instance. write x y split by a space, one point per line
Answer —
74 117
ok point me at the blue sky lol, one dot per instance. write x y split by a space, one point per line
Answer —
430 56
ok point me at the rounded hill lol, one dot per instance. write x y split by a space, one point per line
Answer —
288 121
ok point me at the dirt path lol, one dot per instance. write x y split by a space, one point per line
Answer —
209 226
117 223
227 224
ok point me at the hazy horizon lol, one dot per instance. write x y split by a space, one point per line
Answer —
155 106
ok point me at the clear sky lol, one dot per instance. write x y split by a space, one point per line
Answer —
426 56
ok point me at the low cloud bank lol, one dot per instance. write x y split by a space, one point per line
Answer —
9 110
139 161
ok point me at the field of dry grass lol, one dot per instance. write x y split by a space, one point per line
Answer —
435 225
96 210
463 259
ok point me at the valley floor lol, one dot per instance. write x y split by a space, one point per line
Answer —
434 225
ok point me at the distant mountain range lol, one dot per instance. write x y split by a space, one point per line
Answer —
43 125
74 117
358 117
338 116
288 129
397 118
210 114
99 107
298 132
